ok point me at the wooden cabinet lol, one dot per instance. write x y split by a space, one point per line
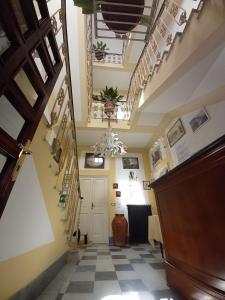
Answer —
191 206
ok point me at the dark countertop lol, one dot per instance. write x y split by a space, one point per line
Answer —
196 155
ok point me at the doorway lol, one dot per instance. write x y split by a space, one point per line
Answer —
94 218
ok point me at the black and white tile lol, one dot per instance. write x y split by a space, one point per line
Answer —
113 273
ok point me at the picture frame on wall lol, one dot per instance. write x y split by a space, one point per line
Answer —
130 162
199 119
156 155
146 185
93 161
175 133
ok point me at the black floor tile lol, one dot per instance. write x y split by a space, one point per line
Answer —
105 276
147 256
123 267
89 257
88 268
77 287
157 266
138 249
137 261
115 250
103 253
119 257
132 285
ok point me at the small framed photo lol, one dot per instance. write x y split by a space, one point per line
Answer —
115 186
199 119
146 185
118 193
130 162
93 161
175 133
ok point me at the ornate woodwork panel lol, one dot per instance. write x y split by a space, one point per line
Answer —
28 72
190 201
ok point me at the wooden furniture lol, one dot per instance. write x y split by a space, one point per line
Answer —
191 206
138 223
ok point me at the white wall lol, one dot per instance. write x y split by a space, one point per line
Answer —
25 223
209 132
132 191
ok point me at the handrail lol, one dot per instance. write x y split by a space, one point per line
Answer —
154 50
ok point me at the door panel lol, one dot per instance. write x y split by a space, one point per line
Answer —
94 209
99 232
85 186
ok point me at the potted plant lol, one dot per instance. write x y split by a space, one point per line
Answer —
134 18
100 50
86 5
110 97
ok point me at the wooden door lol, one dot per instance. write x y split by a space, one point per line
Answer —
29 66
94 210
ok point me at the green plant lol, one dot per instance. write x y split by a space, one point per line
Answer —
108 94
100 50
145 20
86 5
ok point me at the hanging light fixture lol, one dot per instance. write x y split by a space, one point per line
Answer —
109 145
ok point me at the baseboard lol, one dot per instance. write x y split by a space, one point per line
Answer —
35 287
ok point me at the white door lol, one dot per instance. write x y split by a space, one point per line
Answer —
94 208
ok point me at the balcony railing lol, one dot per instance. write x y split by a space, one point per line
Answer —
126 15
172 20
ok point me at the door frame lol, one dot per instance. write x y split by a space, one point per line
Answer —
107 199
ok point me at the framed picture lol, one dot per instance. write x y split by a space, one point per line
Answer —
130 162
175 133
199 119
118 193
115 185
146 185
156 155
93 161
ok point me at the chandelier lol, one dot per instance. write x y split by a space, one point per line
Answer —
109 144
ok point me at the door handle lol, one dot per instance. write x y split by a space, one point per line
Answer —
92 205
25 150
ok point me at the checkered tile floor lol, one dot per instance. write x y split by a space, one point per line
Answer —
112 273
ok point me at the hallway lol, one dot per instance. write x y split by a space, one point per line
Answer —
112 273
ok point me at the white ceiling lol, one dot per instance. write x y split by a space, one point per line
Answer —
150 119
204 77
130 139
103 77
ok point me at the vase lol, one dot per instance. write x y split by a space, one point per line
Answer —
123 21
119 228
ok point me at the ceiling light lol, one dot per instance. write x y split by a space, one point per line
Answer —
109 145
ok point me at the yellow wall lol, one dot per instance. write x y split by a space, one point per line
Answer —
17 272
111 174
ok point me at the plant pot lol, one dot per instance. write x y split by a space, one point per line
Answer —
119 228
99 55
109 108
124 28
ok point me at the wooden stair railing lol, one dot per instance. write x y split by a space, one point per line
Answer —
24 49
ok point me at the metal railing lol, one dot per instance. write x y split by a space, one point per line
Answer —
172 19
103 19
89 45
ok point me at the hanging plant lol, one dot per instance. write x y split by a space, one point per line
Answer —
86 5
110 97
121 28
100 50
